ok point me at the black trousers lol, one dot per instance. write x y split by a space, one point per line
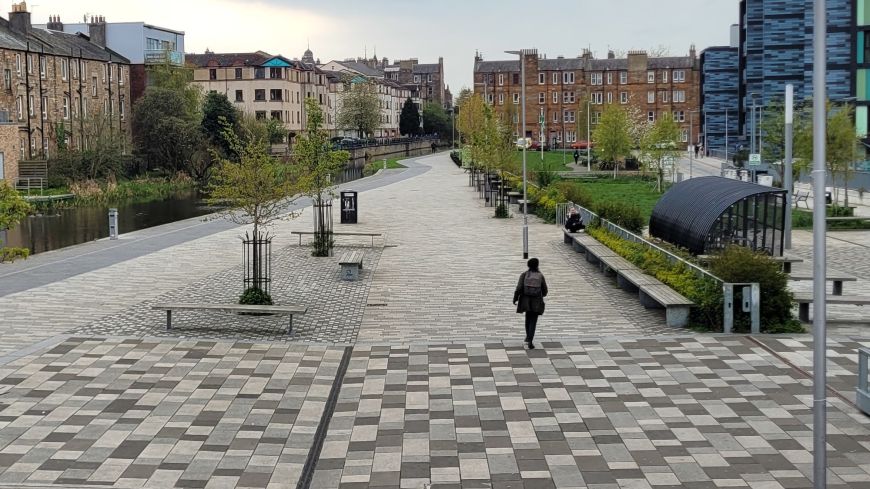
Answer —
531 324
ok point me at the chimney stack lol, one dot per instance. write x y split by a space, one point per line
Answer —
54 23
19 18
611 54
97 31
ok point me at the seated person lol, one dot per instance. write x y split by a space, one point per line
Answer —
574 223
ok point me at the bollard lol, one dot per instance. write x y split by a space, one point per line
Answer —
385 163
113 223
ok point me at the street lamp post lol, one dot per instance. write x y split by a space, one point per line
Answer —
525 180
787 163
726 135
588 136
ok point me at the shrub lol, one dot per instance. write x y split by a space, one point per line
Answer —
501 211
255 296
624 215
12 254
575 193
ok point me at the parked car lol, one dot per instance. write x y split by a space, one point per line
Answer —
536 146
581 145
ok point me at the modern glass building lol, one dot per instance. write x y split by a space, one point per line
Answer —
719 99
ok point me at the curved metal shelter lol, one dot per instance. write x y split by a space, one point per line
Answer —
708 213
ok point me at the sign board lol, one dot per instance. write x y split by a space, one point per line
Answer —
754 159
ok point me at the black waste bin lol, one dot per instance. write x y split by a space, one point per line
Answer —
348 207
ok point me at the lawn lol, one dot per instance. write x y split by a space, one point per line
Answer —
552 160
628 190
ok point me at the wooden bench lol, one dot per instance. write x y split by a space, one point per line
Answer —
613 264
514 197
805 299
848 218
632 279
836 279
351 263
231 308
343 233
581 241
676 306
801 196
594 253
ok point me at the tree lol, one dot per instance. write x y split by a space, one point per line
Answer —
316 162
178 79
612 136
409 119
257 189
472 121
359 108
841 142
217 110
660 146
13 209
436 121
166 136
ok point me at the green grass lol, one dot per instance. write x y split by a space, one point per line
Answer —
628 190
552 160
803 219
374 166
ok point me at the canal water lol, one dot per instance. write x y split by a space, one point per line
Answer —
67 227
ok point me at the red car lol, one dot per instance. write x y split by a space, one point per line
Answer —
536 146
581 145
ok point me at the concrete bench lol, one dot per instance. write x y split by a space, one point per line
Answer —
676 306
342 233
569 236
805 299
514 197
231 308
836 279
351 264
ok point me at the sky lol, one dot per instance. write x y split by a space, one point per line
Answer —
401 29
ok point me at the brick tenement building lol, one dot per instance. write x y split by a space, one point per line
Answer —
559 89
57 84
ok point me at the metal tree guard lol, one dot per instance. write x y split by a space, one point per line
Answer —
323 241
258 261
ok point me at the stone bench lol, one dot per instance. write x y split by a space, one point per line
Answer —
290 310
805 299
351 263
676 306
836 279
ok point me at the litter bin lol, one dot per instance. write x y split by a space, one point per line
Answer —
348 207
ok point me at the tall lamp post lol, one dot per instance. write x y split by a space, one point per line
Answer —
588 135
525 181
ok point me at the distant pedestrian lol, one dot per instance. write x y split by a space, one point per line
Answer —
434 147
697 150
576 157
529 298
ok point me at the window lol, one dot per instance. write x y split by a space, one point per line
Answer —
212 74
105 106
18 63
84 106
664 76
105 72
260 95
429 78
609 97
275 73
64 68
44 108
45 148
568 97
489 98
7 79
623 77
663 96
555 78
679 96
651 116
569 116
428 90
555 97
501 99
542 78
571 137
66 107
542 98
623 97
260 74
610 78
93 86
121 107
596 117
276 115
679 76
19 106
555 116
500 79
42 62
516 98
121 75
30 64
31 103
240 97
684 135
598 98
516 78
568 77
650 76
679 116
111 107
238 73
111 69
22 146
83 68
260 115
595 78
275 95
650 97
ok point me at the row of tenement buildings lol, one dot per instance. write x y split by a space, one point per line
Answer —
69 83
712 96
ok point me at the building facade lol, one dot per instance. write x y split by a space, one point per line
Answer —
560 91
143 44
720 100
59 87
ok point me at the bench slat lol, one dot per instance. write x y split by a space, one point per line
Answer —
339 233
638 278
617 263
829 278
231 308
665 295
834 299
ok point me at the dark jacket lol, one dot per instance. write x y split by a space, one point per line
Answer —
526 303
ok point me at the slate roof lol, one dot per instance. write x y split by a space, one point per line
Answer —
425 68
562 64
228 59
56 43
361 68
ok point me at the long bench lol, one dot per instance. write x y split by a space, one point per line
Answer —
342 233
231 308
836 279
805 299
652 293
351 264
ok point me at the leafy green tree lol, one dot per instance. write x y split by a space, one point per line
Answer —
612 136
409 119
178 79
661 146
13 209
217 110
100 154
772 127
316 162
436 121
841 142
359 108
472 122
166 136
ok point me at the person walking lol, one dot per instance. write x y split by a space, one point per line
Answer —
576 157
529 299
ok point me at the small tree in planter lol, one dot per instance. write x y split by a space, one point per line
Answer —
12 210
315 163
257 190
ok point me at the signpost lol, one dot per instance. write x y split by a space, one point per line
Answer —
754 159
543 129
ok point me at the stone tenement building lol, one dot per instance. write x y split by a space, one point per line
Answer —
559 90
55 84
425 81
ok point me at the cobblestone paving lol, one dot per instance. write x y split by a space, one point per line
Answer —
335 306
683 412
159 414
